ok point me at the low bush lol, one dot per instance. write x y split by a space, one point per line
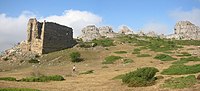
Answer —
120 52
87 72
33 60
143 55
181 70
8 78
180 82
111 59
136 52
141 77
6 59
43 78
75 57
18 89
126 61
164 57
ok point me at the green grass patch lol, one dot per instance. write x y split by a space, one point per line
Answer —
181 70
111 59
139 78
143 55
18 89
184 54
120 52
105 42
8 78
126 61
87 72
168 52
164 57
43 78
185 60
180 82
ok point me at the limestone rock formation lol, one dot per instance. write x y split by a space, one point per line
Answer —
89 33
92 32
125 30
106 31
151 34
185 30
141 33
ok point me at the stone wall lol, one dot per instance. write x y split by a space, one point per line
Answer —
47 37
57 37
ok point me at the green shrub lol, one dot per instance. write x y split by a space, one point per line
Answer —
8 78
136 52
141 77
180 82
33 60
75 57
43 78
185 60
126 61
164 57
181 70
143 55
106 42
120 52
18 89
111 59
137 49
87 72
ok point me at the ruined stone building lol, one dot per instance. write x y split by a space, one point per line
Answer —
45 37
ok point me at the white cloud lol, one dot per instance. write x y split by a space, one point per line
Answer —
75 19
13 29
192 15
158 28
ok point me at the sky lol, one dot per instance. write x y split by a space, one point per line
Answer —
139 15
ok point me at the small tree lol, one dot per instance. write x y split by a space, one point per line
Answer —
75 57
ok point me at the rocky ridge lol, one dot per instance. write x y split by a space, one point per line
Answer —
185 30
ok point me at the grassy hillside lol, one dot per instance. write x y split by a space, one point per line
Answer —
105 59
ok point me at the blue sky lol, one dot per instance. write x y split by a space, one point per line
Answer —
146 15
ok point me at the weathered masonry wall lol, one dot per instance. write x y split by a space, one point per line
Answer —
48 37
56 37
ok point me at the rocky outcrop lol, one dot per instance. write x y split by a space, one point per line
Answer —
151 34
106 31
125 30
91 32
141 33
185 30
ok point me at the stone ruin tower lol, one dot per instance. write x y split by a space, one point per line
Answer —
45 37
